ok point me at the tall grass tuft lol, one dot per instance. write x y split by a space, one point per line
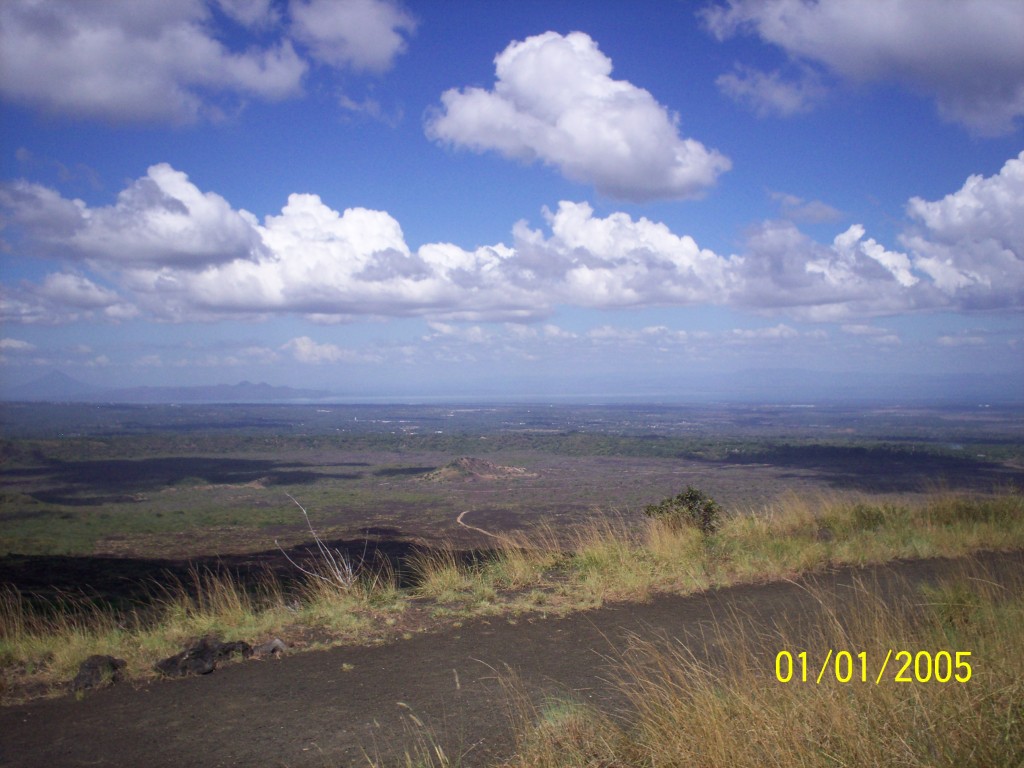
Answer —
448 578
48 642
216 603
350 610
609 562
528 560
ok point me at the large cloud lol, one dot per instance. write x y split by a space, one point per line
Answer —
617 262
180 253
160 219
318 261
156 60
61 298
554 101
967 55
971 243
785 270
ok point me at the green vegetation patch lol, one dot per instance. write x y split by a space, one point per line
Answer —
692 507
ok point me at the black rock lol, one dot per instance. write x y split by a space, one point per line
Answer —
98 672
202 658
239 647
185 663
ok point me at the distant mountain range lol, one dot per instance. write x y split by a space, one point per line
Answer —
58 387
760 386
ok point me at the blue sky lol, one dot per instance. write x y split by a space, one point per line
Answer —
603 199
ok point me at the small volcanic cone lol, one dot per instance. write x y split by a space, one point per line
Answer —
469 468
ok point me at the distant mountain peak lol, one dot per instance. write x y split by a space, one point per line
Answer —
57 386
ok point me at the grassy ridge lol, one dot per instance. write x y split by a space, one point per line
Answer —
609 559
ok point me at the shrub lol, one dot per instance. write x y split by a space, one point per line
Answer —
692 508
867 517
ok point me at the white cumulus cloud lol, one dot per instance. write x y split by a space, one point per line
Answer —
617 261
798 209
154 60
62 298
363 34
780 331
554 100
72 57
965 54
784 269
250 13
173 251
161 218
971 243
76 291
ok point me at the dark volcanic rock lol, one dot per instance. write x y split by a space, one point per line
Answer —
202 658
98 672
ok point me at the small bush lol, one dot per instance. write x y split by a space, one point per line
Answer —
692 508
867 517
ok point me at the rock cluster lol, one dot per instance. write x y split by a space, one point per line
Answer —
202 658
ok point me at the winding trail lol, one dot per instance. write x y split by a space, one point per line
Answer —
473 527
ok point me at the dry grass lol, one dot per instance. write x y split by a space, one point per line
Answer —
441 575
426 751
526 561
46 644
52 641
726 707
614 558
43 643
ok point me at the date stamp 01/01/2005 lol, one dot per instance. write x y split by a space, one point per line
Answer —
847 667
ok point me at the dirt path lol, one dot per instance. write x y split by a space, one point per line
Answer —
332 708
473 527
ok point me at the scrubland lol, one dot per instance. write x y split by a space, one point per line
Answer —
611 558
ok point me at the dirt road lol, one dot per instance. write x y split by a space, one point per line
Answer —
333 708
466 525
